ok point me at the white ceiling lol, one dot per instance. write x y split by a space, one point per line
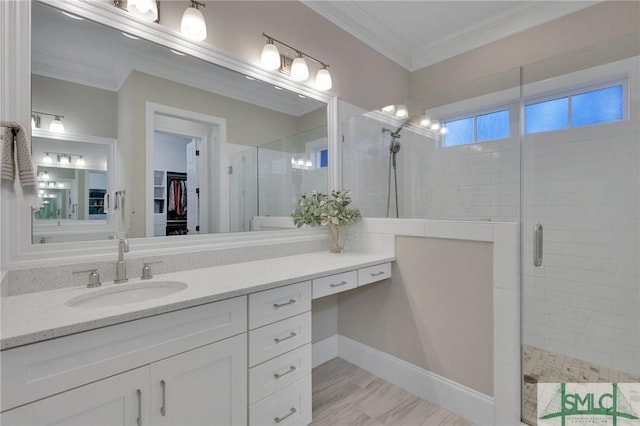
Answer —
417 33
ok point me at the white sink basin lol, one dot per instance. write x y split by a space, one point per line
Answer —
122 294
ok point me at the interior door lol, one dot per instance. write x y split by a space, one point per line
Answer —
193 187
205 386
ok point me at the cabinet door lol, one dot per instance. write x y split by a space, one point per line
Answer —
204 386
119 400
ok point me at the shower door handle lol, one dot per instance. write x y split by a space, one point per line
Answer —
537 245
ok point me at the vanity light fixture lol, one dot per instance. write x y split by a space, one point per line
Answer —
64 159
145 10
435 125
425 121
299 69
389 109
80 161
56 124
47 158
193 25
271 59
45 175
402 111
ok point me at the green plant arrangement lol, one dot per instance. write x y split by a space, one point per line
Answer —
332 210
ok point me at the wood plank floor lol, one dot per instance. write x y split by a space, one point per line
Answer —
344 394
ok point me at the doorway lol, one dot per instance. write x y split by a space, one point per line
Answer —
184 182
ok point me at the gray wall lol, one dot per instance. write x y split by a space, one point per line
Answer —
604 21
436 312
86 110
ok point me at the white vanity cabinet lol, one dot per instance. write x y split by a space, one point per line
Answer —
121 400
183 367
205 386
280 356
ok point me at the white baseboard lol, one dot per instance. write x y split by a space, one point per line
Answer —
324 350
458 399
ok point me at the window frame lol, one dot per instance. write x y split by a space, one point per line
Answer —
511 107
570 92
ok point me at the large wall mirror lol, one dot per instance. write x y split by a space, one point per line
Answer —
196 148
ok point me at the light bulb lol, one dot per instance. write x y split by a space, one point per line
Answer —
146 10
402 111
80 161
435 125
270 58
323 79
193 25
299 69
56 125
444 131
45 176
308 163
52 184
389 109
47 158
60 184
425 121
63 159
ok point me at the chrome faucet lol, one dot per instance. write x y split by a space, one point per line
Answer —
121 266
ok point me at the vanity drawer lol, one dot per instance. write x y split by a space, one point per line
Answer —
289 406
266 307
275 339
35 371
374 273
334 284
273 375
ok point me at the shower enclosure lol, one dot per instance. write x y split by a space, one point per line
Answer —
554 146
267 180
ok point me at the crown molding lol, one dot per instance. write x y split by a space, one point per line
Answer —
501 26
353 18
384 41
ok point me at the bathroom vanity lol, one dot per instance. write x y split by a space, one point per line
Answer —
231 347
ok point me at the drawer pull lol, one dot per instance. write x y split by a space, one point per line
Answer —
163 409
338 284
377 273
139 419
276 305
291 412
282 339
289 371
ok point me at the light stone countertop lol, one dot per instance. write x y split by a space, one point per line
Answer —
34 317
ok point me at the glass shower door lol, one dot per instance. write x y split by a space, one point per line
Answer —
580 221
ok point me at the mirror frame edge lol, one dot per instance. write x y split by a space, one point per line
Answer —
17 250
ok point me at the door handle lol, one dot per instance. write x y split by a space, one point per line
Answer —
537 245
139 419
163 409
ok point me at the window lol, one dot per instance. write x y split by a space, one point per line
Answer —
323 158
576 110
477 128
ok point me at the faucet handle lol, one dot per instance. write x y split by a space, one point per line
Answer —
146 270
94 278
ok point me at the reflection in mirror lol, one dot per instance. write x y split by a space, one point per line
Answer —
73 178
104 84
452 156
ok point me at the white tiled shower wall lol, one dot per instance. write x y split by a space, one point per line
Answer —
582 184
